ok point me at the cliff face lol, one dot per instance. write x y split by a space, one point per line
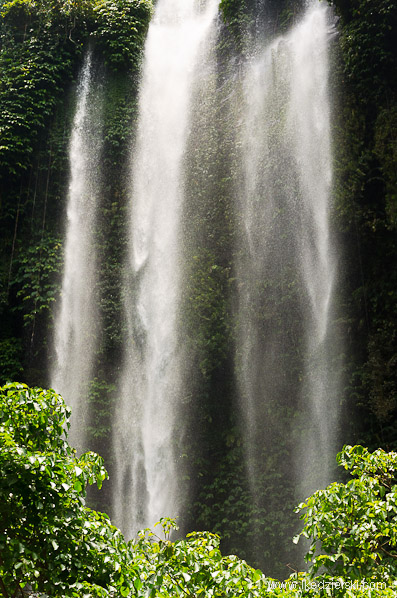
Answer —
42 48
365 191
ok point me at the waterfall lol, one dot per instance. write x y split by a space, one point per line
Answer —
75 324
147 429
229 211
286 262
309 122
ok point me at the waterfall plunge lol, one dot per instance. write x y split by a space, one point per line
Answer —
309 122
75 326
146 431
286 264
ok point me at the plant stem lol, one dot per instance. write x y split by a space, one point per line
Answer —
3 589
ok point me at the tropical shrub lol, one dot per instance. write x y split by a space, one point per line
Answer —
355 524
50 540
48 537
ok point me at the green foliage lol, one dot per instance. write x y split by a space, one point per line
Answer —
243 519
119 112
379 372
208 309
48 537
35 278
10 359
101 397
365 200
386 151
234 12
368 45
40 44
194 567
35 65
52 541
244 16
120 30
354 524
18 13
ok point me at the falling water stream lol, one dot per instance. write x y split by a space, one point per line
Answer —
309 122
151 390
75 327
286 258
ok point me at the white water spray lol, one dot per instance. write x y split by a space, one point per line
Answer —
309 122
75 329
146 431
287 266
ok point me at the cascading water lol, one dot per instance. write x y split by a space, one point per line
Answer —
230 201
147 428
309 122
286 262
75 327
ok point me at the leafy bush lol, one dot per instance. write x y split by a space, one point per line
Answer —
193 566
48 537
355 523
52 541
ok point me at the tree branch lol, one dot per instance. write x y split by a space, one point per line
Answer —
393 556
3 589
